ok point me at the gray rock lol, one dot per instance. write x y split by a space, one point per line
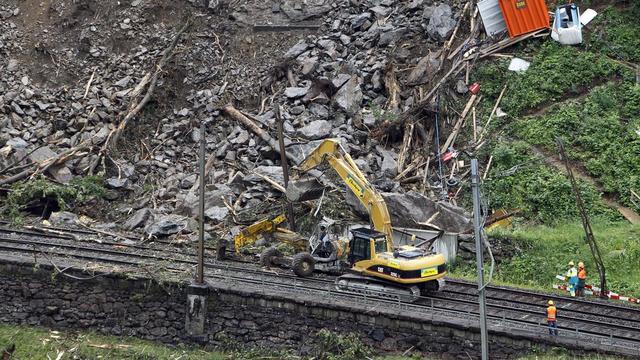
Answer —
391 37
17 143
369 120
318 129
273 172
116 183
340 80
360 21
407 210
295 92
441 22
188 181
297 110
425 69
349 97
216 213
319 110
309 66
62 174
187 204
297 49
389 166
64 218
166 225
138 219
42 154
461 87
123 82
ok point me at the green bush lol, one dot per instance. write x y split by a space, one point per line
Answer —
542 194
40 188
599 131
616 33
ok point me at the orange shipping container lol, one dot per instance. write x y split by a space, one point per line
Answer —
524 16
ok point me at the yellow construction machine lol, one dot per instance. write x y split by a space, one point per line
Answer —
375 263
372 263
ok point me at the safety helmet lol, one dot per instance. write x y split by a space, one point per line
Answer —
571 263
580 264
550 302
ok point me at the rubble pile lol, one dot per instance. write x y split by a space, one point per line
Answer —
74 75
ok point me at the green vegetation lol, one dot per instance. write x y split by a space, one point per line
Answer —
556 73
334 346
39 343
547 250
584 95
599 132
519 180
40 189
617 34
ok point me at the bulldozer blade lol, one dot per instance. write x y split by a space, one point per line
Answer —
303 190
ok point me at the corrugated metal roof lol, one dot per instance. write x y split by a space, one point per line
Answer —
524 16
491 15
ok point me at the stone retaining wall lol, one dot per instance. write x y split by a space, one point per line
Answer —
143 308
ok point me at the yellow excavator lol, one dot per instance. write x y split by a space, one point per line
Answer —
375 265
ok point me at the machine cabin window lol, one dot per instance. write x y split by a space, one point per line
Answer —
359 249
381 245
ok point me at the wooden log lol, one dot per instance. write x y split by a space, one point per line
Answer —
236 115
456 129
495 107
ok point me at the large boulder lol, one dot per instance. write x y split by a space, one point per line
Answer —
349 97
441 22
167 225
414 209
187 203
315 130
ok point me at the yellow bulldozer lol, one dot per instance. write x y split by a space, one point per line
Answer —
369 262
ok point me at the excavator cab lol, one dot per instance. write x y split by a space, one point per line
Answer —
365 244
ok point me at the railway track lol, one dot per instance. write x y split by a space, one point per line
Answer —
514 308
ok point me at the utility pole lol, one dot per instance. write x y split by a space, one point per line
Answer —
285 166
590 238
475 186
200 270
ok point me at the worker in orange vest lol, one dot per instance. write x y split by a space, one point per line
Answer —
551 318
582 278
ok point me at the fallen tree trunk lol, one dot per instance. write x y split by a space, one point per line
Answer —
236 115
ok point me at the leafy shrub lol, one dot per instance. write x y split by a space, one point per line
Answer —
520 181
334 346
41 189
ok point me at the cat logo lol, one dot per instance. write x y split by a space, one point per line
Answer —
380 269
521 4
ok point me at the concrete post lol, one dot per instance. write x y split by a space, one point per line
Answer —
196 311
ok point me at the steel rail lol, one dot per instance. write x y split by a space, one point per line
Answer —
279 283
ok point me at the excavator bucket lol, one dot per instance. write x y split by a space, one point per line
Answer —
303 190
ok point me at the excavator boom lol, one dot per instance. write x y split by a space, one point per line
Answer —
331 151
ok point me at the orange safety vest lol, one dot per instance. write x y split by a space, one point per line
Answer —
551 313
582 274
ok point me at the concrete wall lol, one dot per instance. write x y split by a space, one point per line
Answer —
143 308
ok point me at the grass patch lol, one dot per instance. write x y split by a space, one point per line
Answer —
519 180
599 131
40 343
547 250
556 72
617 34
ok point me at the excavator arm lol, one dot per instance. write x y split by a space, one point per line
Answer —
331 152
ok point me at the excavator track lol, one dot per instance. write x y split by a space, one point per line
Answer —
366 285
